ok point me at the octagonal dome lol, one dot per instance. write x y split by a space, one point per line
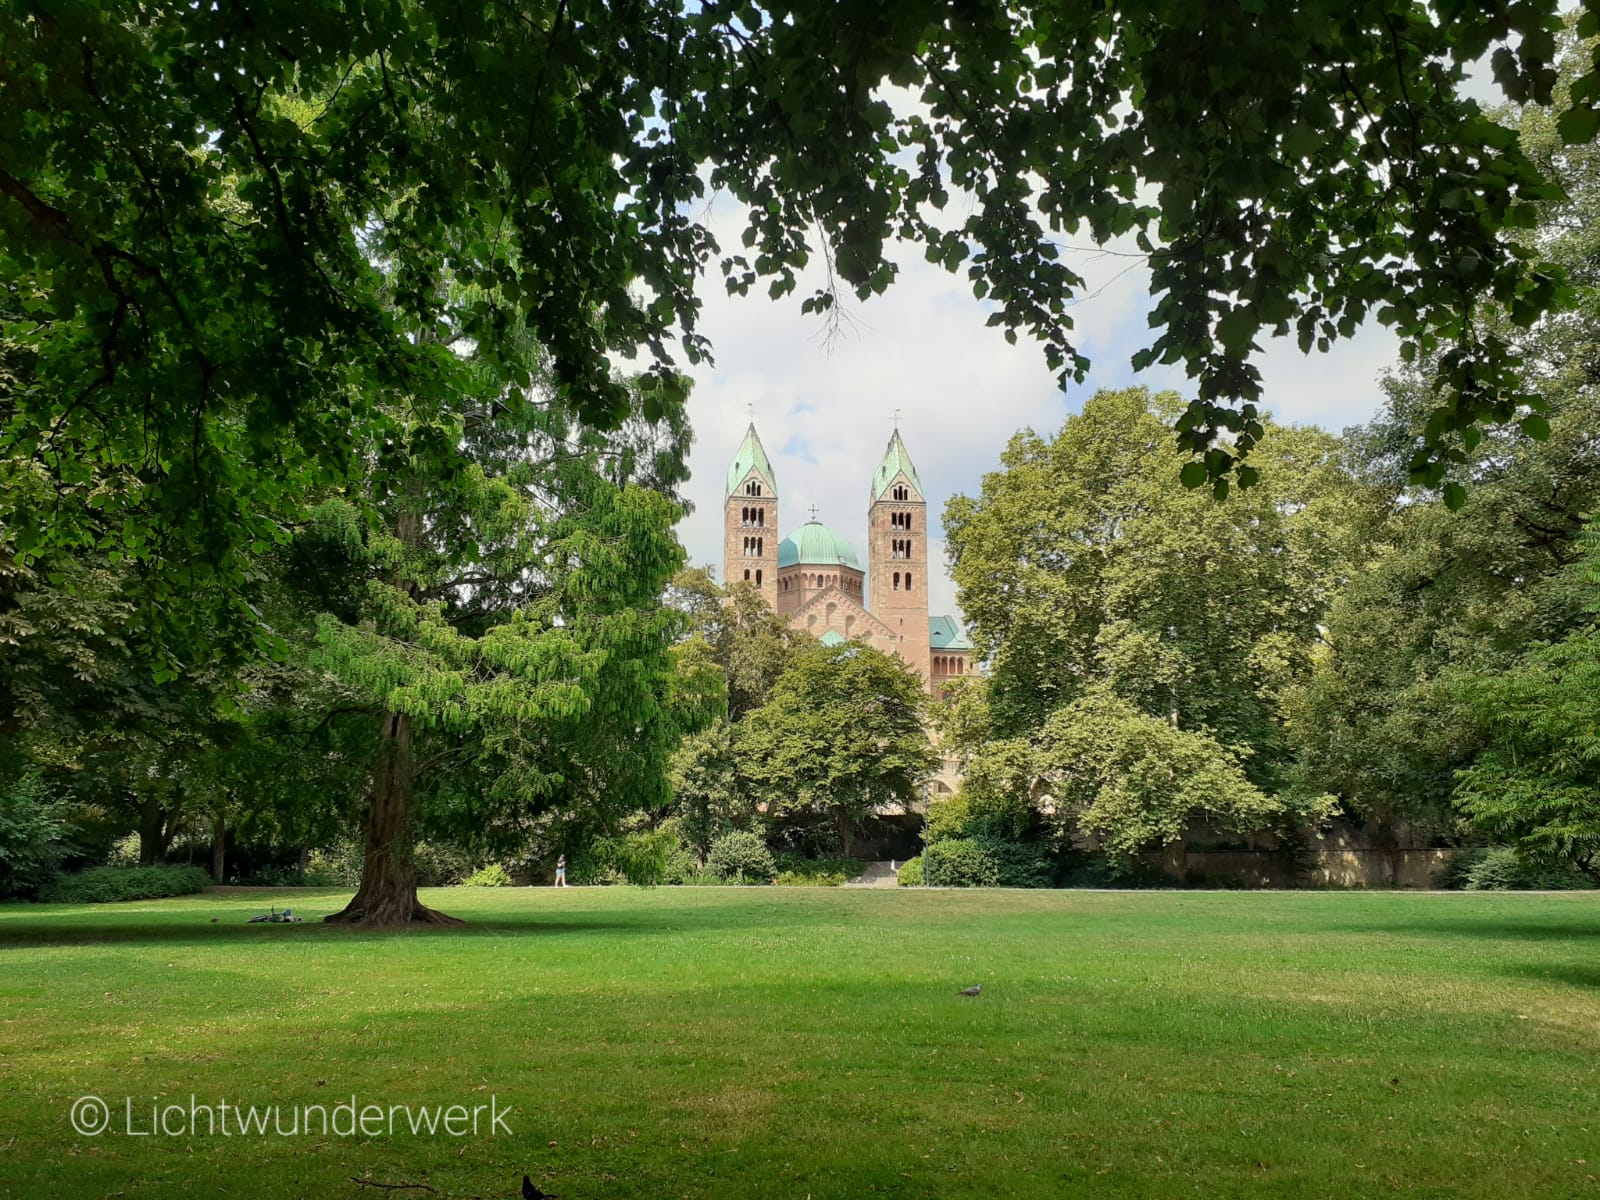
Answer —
815 545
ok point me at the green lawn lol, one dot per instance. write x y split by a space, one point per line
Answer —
787 1042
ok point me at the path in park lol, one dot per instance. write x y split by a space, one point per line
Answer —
878 874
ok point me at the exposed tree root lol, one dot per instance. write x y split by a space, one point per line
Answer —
398 912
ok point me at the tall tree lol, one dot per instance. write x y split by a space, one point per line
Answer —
750 643
1468 592
842 734
1079 568
509 638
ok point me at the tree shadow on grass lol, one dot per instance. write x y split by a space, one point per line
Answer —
1577 928
1574 974
197 926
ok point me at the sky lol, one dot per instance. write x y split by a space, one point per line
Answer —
825 407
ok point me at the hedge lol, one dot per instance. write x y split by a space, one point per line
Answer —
104 885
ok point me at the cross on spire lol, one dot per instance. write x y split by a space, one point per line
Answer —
813 512
897 420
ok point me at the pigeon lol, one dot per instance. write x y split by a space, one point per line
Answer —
530 1191
974 990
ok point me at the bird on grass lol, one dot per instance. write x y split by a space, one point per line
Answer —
974 990
530 1191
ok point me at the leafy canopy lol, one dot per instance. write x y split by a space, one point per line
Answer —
223 227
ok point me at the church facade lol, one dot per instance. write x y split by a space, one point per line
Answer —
814 580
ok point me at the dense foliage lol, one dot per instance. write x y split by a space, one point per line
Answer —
224 229
324 514
106 885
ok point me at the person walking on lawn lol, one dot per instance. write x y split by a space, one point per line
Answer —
561 871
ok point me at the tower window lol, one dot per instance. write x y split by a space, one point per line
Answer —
747 574
758 577
901 492
752 488
897 581
908 581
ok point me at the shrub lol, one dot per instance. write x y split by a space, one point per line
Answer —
1504 870
438 865
911 872
338 865
493 875
1452 876
33 836
645 857
124 851
103 885
981 862
682 867
741 857
796 870
1019 864
960 862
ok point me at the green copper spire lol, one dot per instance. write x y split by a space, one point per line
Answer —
751 455
895 461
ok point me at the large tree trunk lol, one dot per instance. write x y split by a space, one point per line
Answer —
387 897
219 839
152 832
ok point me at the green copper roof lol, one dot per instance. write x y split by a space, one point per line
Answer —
751 455
814 544
895 460
945 634
832 638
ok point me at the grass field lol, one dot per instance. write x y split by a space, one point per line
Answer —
793 1043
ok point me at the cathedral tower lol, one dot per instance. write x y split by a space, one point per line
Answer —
897 554
750 521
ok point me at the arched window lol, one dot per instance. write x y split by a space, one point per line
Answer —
901 492
897 581
747 575
758 576
908 581
752 488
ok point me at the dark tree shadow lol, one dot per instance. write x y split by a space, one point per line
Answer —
1579 927
1573 974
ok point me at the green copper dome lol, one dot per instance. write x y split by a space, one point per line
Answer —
815 545
751 454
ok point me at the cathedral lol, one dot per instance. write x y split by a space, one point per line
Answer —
814 579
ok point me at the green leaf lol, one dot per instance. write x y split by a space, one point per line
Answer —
1454 496
1193 474
1578 126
